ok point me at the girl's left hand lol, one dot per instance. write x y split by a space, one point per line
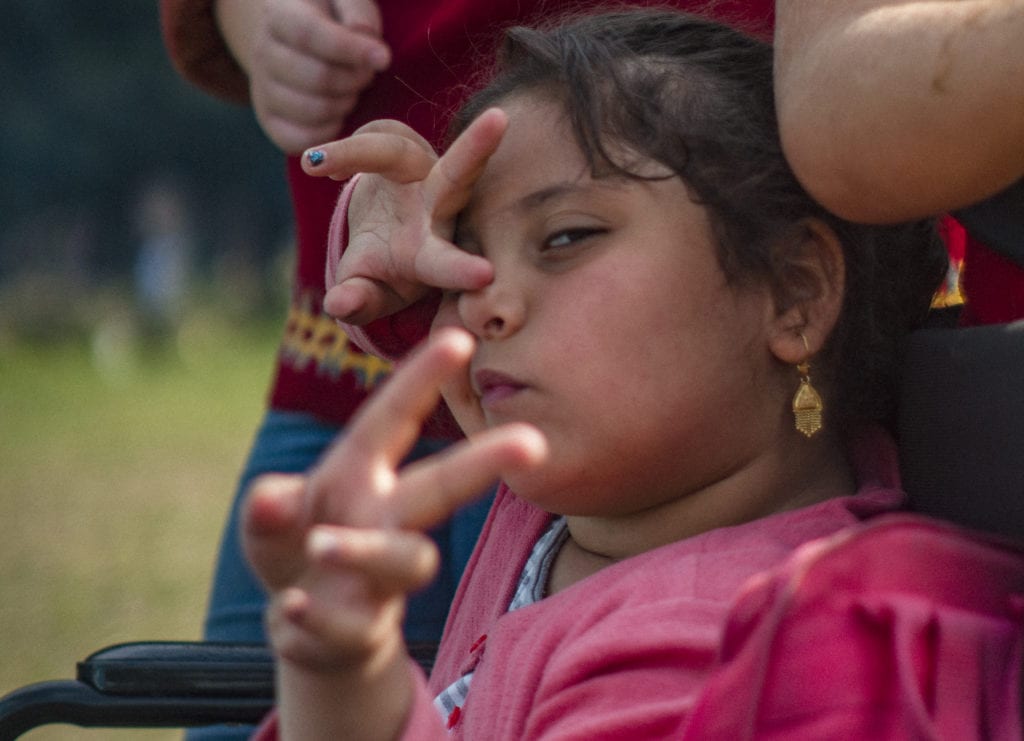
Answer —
401 215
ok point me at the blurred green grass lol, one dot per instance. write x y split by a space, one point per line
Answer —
117 465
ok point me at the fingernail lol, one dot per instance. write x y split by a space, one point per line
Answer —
322 543
315 157
378 58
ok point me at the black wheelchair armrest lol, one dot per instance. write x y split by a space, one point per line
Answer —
180 669
162 684
150 684
68 701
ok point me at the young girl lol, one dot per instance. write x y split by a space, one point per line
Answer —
664 315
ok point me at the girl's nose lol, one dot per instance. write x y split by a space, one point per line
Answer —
492 313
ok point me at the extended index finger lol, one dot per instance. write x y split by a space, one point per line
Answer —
389 423
431 490
395 156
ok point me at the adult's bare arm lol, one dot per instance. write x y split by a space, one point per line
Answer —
891 110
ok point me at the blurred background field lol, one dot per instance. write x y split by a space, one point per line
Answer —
114 483
142 290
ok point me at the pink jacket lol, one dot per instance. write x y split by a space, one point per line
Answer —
625 653
904 627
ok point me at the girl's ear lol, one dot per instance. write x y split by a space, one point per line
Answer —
810 288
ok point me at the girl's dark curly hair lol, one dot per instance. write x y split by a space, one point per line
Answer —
697 96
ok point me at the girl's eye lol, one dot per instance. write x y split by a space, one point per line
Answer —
569 237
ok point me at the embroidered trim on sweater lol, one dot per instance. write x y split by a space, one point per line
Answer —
311 337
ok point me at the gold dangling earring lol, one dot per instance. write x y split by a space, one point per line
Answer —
807 404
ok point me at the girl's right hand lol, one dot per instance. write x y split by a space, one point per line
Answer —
402 214
339 550
343 545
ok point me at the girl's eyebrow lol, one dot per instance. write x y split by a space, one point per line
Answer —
465 235
563 190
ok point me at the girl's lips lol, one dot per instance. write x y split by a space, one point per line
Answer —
492 386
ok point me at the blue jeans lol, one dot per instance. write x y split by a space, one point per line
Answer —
289 442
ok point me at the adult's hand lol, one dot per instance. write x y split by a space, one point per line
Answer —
307 62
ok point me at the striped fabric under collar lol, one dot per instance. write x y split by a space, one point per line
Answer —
531 587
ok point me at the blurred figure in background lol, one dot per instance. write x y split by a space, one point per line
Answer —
163 263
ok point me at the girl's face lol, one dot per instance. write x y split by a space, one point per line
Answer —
610 327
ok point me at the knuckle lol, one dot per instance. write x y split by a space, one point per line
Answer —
318 494
328 78
424 563
300 34
321 110
270 483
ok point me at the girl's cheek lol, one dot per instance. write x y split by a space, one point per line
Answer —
458 393
462 402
